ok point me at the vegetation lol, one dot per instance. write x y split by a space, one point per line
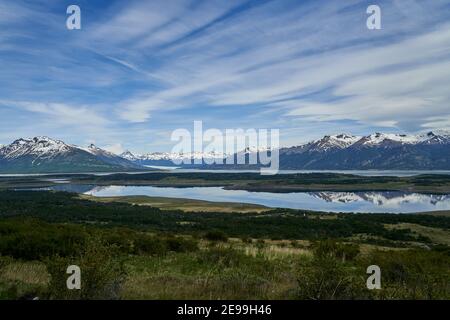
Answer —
187 205
431 183
128 251
61 207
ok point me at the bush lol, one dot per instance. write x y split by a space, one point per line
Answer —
101 274
246 239
260 243
179 244
327 278
31 239
216 235
150 245
331 248
222 257
412 274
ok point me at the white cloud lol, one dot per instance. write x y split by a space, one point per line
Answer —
375 84
288 61
116 148
61 113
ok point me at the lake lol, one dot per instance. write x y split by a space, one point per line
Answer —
373 202
367 173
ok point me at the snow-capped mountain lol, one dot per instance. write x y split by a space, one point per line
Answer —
44 154
40 147
129 156
378 151
331 142
380 138
170 158
110 157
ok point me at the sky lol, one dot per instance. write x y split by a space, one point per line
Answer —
137 70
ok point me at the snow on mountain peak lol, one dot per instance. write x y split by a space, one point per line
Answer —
96 151
378 138
40 146
339 141
129 155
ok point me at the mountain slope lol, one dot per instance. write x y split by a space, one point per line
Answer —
111 158
378 151
46 155
169 158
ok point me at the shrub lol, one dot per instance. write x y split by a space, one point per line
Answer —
216 235
101 274
331 248
221 257
246 239
150 245
179 244
412 274
327 278
31 239
260 243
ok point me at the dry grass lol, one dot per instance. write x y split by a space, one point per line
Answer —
187 205
33 273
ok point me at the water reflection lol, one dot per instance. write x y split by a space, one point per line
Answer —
390 202
381 198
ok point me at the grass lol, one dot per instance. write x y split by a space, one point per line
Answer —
142 252
186 205
437 235
242 270
212 273
33 273
22 278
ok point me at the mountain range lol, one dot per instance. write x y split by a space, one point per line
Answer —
43 154
378 151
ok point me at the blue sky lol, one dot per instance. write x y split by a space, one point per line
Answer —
137 70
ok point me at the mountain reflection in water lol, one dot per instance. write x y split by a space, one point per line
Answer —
373 201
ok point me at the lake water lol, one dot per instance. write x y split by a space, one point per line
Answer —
375 202
368 173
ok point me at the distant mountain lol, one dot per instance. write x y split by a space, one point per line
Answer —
169 158
46 155
111 158
377 151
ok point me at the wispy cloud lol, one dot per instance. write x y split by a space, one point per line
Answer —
138 69
61 113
